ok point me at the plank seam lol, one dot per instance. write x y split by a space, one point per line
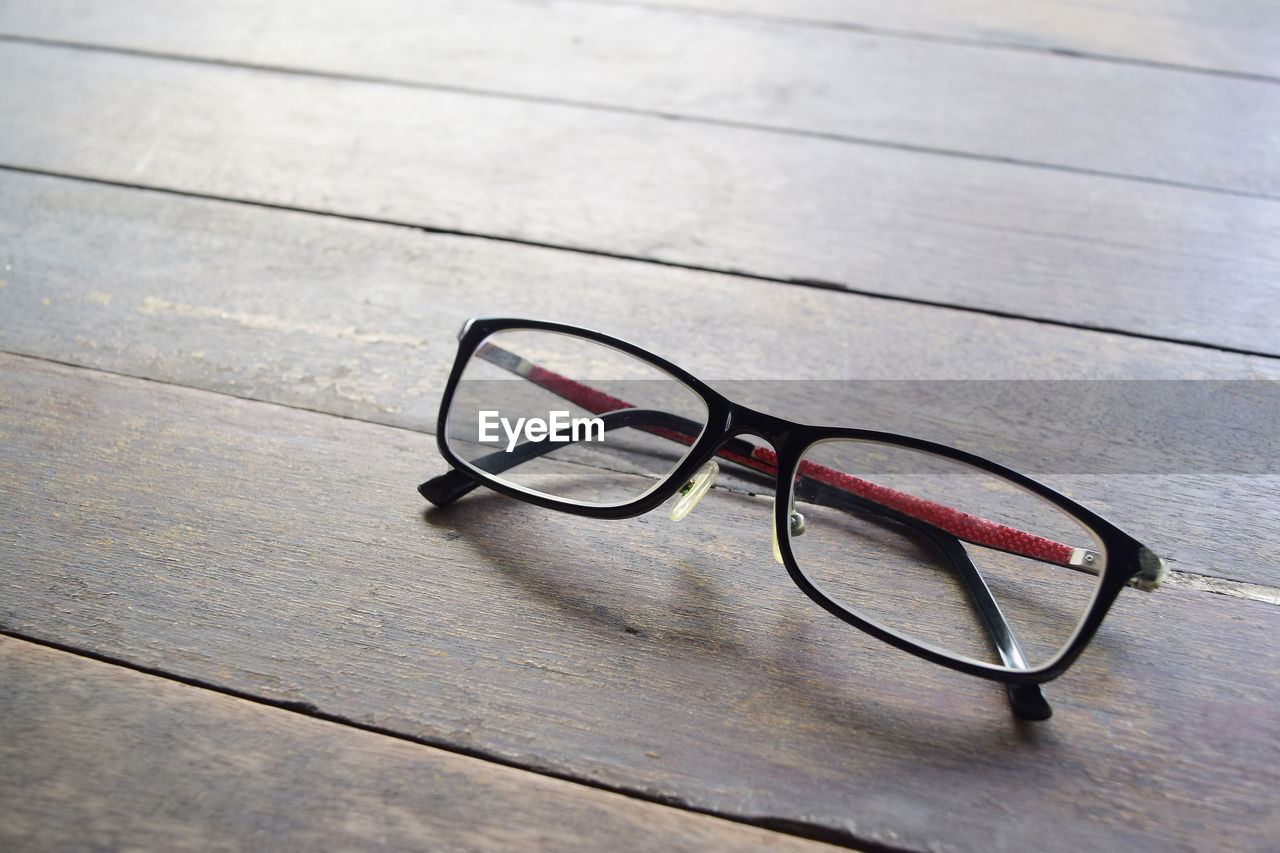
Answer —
620 256
1174 578
788 826
919 35
596 106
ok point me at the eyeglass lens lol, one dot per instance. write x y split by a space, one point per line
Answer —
571 418
941 552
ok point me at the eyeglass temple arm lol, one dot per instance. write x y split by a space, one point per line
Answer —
448 487
968 527
1027 701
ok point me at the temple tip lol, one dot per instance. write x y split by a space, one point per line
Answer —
1028 702
446 488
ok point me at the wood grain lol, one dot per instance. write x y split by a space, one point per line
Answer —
207 295
100 757
1237 36
1072 248
1027 106
284 554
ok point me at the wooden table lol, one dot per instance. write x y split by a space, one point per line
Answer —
238 240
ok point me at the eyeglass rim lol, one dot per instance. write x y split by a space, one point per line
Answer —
476 331
1125 554
1050 668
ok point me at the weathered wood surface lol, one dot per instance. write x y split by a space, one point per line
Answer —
1236 36
217 306
284 554
1027 106
1034 242
98 757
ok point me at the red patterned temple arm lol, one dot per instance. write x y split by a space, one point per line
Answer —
962 525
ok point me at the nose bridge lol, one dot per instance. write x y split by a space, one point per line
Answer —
776 432
748 421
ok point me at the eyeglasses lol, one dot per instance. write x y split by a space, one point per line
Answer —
936 551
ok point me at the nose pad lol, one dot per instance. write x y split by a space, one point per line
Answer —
692 491
796 520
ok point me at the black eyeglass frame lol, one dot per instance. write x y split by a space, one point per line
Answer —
1128 562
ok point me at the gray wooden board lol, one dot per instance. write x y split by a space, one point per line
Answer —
284 554
1037 107
100 757
359 320
1068 247
1237 36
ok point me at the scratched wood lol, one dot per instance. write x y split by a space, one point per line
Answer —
1237 36
1026 106
284 554
100 757
205 294
1035 242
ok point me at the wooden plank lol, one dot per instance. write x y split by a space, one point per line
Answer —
1237 36
1025 106
1072 248
283 554
207 295
103 757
